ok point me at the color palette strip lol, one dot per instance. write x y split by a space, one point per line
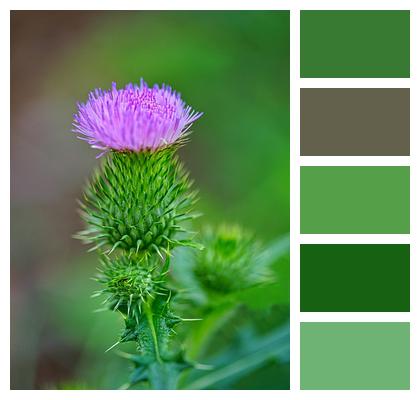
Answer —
355 44
355 355
355 122
355 200
355 277
363 277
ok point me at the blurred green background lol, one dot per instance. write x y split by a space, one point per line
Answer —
233 66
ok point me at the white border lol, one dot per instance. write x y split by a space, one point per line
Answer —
294 199
296 83
354 161
355 239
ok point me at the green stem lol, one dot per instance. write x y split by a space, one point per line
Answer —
149 315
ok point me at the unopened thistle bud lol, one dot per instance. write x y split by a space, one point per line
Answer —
229 261
137 202
130 283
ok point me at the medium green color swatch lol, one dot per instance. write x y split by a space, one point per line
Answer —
355 277
355 44
355 200
355 355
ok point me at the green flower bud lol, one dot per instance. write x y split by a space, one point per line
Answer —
130 283
136 203
229 261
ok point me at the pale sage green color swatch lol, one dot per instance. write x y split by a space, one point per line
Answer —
355 355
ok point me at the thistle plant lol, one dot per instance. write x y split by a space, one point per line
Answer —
135 207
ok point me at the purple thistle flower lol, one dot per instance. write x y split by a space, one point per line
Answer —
135 118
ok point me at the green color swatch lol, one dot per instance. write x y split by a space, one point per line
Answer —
354 277
355 200
355 44
355 355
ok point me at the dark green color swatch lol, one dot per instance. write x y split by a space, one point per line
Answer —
355 200
354 277
355 44
355 355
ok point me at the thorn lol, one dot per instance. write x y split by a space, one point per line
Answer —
100 310
136 316
114 247
158 251
106 300
129 304
122 315
110 348
138 245
117 305
191 319
169 298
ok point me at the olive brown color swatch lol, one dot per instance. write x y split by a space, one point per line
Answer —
355 200
355 355
355 122
355 277
355 44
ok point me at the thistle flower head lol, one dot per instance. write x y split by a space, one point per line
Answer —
135 118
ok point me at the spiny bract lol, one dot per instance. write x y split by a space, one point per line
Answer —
136 203
229 261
